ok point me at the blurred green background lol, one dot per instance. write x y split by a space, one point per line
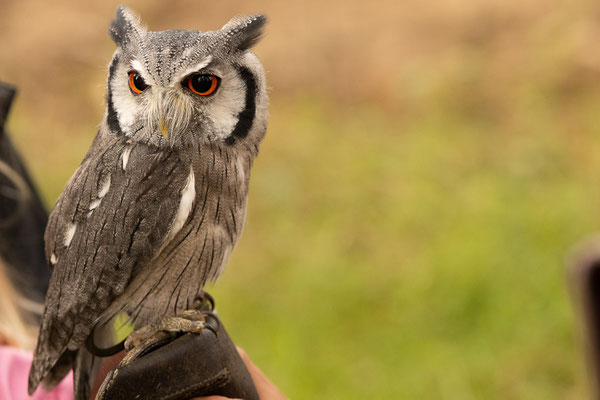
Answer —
426 169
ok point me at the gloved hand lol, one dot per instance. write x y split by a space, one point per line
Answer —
181 367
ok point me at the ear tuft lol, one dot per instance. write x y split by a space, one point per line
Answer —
244 32
125 27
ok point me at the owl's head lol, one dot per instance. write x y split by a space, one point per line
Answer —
182 88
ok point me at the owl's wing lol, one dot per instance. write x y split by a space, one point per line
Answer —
115 213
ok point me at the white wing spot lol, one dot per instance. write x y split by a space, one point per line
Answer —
94 204
188 194
126 153
104 188
240 169
53 259
70 233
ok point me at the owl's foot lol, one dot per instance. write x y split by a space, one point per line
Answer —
187 321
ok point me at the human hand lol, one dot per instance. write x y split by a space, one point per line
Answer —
265 388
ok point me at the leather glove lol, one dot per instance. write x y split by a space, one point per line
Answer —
181 367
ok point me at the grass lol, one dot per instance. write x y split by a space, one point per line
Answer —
424 260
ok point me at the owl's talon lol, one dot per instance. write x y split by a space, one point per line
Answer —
188 321
143 336
191 315
204 302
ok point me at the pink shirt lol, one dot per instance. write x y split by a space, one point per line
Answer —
14 371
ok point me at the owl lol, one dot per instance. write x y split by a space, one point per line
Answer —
159 201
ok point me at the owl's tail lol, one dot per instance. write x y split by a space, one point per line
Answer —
85 373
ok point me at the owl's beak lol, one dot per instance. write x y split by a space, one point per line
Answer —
163 127
170 113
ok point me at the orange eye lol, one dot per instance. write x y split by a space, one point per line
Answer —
202 84
136 82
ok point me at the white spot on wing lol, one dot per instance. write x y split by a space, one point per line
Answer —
240 169
104 189
126 153
70 233
94 204
188 194
53 259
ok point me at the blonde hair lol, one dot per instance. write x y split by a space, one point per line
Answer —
14 330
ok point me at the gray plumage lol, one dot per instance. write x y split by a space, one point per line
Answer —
158 203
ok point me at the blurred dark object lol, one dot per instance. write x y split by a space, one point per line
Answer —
22 219
584 276
181 367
